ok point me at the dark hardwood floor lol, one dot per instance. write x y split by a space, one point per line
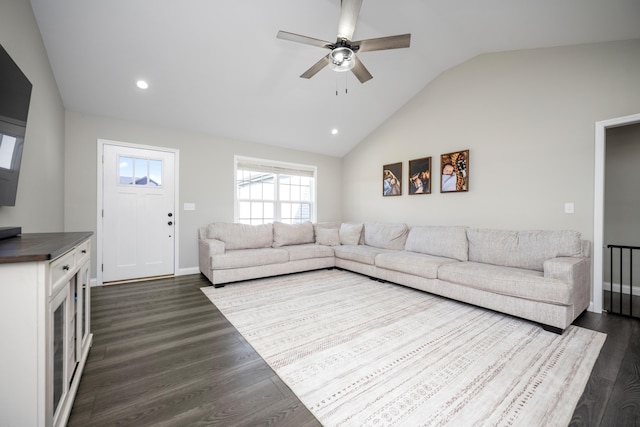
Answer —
164 355
625 304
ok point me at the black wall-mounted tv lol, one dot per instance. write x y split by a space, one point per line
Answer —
15 96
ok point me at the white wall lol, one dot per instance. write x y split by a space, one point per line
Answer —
40 199
527 118
206 174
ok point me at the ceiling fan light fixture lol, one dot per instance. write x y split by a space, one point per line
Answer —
341 59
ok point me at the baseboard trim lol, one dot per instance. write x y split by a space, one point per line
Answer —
181 272
188 271
626 289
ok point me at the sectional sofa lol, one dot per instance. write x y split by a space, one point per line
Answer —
542 276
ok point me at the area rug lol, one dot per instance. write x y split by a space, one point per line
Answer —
358 352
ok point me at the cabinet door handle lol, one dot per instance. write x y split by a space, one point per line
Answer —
84 251
66 267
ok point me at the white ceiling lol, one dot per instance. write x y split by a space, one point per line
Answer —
217 67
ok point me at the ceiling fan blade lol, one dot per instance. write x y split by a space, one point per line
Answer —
382 43
361 71
324 61
348 17
304 39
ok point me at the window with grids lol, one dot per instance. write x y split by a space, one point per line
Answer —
268 191
140 172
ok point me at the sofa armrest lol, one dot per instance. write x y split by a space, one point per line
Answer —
576 272
215 246
206 249
565 269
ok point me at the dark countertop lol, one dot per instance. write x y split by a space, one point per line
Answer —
30 247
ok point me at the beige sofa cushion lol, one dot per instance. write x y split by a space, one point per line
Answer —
522 249
241 236
385 235
249 258
442 241
308 251
358 253
292 234
420 265
350 234
515 282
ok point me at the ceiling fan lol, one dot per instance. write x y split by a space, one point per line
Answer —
343 52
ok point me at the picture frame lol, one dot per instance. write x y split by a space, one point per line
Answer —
454 172
392 179
419 177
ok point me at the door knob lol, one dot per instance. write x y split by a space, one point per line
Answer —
170 223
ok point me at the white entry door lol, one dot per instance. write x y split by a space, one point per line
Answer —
138 217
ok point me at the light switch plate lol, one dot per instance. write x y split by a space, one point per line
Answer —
568 208
189 206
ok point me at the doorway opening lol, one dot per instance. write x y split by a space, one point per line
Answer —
598 203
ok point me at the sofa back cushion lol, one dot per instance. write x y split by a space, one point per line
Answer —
385 235
241 236
522 249
350 234
292 234
443 241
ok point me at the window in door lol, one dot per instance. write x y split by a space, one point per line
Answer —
140 172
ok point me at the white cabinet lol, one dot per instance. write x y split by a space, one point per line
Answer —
45 307
58 349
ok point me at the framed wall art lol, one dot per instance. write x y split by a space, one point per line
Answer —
454 169
420 176
391 179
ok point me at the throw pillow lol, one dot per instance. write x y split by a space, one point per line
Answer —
327 236
350 233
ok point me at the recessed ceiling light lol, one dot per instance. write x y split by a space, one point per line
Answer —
142 84
334 131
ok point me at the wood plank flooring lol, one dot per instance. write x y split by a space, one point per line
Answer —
625 304
164 355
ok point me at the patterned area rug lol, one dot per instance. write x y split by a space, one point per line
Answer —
361 353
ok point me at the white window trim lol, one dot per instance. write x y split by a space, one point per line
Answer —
275 164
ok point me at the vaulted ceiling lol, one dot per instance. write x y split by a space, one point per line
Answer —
217 67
